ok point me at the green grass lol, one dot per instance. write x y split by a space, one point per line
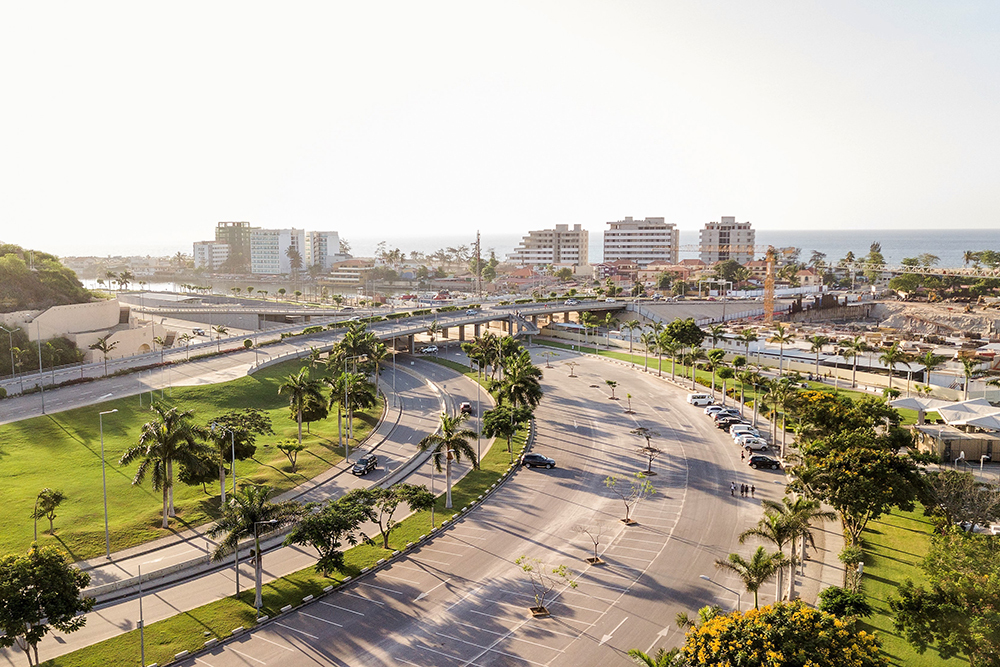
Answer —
894 547
63 451
189 630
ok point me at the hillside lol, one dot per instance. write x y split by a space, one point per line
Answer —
45 283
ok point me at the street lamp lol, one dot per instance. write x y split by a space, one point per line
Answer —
104 482
258 564
737 593
10 337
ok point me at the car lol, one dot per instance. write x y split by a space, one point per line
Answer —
537 460
740 436
428 349
365 464
723 414
755 445
711 410
347 309
465 408
472 311
743 429
726 423
609 300
572 302
198 331
761 461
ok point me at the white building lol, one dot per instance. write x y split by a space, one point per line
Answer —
726 239
641 241
269 250
561 245
210 255
322 249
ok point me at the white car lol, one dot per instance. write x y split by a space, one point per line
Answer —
428 349
743 438
743 429
712 409
755 445
472 311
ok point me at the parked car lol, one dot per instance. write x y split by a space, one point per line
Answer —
711 410
609 300
725 414
726 422
755 445
465 408
740 437
760 461
743 429
347 309
428 349
531 460
699 399
365 464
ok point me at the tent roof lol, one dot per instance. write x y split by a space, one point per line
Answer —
923 403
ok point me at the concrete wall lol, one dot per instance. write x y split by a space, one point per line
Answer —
74 318
130 342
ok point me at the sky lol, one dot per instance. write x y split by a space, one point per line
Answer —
134 127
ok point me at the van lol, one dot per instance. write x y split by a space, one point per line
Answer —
699 399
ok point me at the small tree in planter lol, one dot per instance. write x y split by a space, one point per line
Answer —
628 410
631 491
572 366
291 450
612 384
649 451
595 536
543 581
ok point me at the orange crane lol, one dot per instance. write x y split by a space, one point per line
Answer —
770 258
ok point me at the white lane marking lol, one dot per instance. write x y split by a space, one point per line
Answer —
428 560
625 546
350 611
493 650
320 619
248 657
301 632
204 662
381 588
662 633
275 643
428 648
362 597
560 602
405 581
428 592
463 598
501 618
440 551
606 637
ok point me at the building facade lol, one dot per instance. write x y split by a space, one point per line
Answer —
237 236
561 245
726 239
322 249
272 251
641 241
210 255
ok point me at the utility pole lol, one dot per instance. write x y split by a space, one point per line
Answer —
479 267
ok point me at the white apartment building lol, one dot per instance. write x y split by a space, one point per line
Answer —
322 249
561 245
210 255
641 241
269 250
726 239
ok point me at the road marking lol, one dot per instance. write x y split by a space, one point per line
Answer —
462 599
362 597
320 619
275 643
381 588
491 650
249 657
350 611
426 593
625 546
606 637
662 633
301 632
441 551
428 560
204 662
405 581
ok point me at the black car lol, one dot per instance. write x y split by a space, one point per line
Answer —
758 461
726 422
725 412
365 464
537 460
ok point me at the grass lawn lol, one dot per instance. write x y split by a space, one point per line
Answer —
189 630
63 451
894 548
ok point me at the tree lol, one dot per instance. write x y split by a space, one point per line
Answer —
169 437
451 443
891 357
220 331
957 608
930 362
433 329
104 347
798 514
234 433
612 384
716 359
649 451
781 336
754 572
185 340
301 389
960 499
543 579
504 421
779 531
249 513
291 450
354 392
46 503
630 490
844 603
782 635
294 260
326 528
521 384
816 344
631 326
662 658
40 591
648 340
381 503
970 370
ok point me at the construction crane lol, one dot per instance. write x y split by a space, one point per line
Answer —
770 258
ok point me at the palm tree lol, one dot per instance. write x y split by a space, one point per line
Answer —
754 572
220 331
716 332
716 358
746 337
169 437
797 514
249 514
588 320
124 278
725 373
776 529
631 326
781 336
816 344
433 329
855 347
662 658
970 369
890 358
185 340
648 340
671 347
694 356
521 384
745 377
161 341
104 347
608 321
357 393
301 389
930 362
451 443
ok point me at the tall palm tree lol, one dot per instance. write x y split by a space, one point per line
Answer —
608 322
754 572
930 362
725 374
694 356
249 514
631 326
716 332
746 337
777 530
892 356
745 377
662 657
433 329
648 340
104 347
589 321
522 381
450 443
301 390
671 347
969 369
781 337
125 278
856 346
816 344
716 359
169 437
220 331
798 514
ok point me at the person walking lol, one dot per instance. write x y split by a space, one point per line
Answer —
752 490
732 489
742 456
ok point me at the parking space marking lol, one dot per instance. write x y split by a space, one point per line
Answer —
405 581
440 551
557 601
418 559
491 650
320 619
625 546
350 611
248 657
265 639
435 651
362 597
381 588
301 632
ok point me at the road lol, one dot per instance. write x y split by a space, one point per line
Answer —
461 600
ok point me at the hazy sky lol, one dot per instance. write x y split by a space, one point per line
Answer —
140 125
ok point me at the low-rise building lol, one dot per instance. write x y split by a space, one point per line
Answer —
726 239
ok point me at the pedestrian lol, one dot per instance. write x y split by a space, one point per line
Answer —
752 490
732 489
742 456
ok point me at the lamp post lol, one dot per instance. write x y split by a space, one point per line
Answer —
10 338
142 624
104 482
258 564
736 593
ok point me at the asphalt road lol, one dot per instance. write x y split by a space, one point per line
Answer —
461 600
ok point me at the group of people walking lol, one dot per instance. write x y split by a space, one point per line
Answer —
745 490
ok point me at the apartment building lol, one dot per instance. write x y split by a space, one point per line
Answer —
271 251
210 255
237 236
559 246
726 239
641 241
322 249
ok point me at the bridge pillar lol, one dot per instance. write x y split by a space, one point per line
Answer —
461 332
411 344
477 330
444 332
534 320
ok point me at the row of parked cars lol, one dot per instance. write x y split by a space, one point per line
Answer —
743 433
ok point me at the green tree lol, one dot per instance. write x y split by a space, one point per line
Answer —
782 337
816 344
451 442
890 358
970 368
631 326
799 515
291 450
326 528
235 433
779 531
46 503
630 490
761 567
662 658
220 331
648 340
170 437
503 421
612 384
301 389
844 603
248 514
521 384
40 591
105 347
716 360
381 504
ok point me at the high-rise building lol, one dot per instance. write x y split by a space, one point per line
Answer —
322 250
237 236
726 239
561 245
210 255
277 251
641 241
